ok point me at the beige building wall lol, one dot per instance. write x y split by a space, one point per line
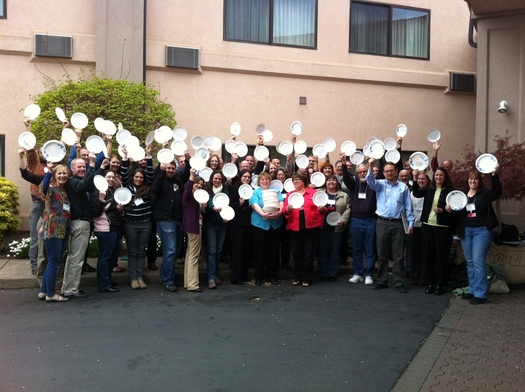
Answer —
349 96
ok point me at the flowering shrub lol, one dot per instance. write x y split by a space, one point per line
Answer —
19 249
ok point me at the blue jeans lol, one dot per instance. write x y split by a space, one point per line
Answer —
363 235
55 248
108 250
215 235
168 231
37 210
137 237
476 245
328 255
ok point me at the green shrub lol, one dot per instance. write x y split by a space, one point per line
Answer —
9 219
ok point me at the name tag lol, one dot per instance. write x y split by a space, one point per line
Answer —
138 201
331 203
65 207
471 209
361 195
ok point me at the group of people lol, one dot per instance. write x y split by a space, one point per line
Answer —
386 210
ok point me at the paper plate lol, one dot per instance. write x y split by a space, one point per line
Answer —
318 179
433 135
267 135
227 213
392 156
277 185
245 191
68 136
320 198
401 130
79 120
163 134
235 129
229 170
123 196
418 160
260 129
301 161
179 147
60 114
100 183
390 143
329 144
122 136
137 153
230 146
300 146
150 138
376 149
110 128
217 144
285 147
348 147
119 150
255 180
197 163
457 200
205 173
296 128
370 140
180 133
486 163
296 200
53 151
197 142
288 185
261 152
95 144
207 141
120 126
319 151
32 111
201 196
165 155
28 140
202 153
132 141
357 158
241 149
333 217
221 200
99 124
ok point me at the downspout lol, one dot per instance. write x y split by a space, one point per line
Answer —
471 41
144 44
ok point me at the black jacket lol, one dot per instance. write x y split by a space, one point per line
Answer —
445 218
167 196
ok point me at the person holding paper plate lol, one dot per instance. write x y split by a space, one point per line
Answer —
304 221
285 239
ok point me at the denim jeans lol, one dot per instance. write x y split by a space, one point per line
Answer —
328 254
168 231
363 235
108 250
55 248
37 210
137 236
476 245
215 235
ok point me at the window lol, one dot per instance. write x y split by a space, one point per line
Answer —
273 22
2 9
389 30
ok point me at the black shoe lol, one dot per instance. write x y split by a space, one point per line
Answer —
197 290
109 290
430 289
379 286
467 296
401 288
171 287
332 278
258 283
439 290
344 262
478 301
237 282
274 282
87 268
152 267
80 294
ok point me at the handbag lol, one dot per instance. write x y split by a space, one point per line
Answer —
509 233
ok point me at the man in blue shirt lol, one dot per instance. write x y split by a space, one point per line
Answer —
393 203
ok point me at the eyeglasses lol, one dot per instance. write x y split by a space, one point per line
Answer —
389 171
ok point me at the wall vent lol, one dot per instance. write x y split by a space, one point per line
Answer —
462 82
53 45
181 57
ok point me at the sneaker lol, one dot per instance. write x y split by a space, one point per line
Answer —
356 279
369 280
135 284
467 296
141 283
478 301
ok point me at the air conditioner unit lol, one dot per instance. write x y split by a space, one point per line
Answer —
182 57
53 45
462 82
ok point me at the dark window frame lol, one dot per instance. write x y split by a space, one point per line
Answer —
390 7
3 9
270 43
2 155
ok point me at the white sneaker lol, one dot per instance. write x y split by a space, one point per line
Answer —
369 280
356 279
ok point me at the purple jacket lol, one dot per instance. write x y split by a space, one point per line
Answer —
191 210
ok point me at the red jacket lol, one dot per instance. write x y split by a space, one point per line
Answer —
313 218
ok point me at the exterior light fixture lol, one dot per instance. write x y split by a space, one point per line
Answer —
502 107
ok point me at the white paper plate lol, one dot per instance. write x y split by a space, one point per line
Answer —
180 133
201 196
132 141
390 143
241 149
486 163
202 153
229 170
227 213
285 147
348 147
357 157
261 152
123 196
207 141
320 198
260 129
301 161
163 134
300 146
401 130
296 200
296 128
110 128
165 155
319 151
119 150
433 135
28 140
230 146
221 200
245 191
53 151
69 136
150 138
318 179
120 126
95 144
179 147
217 144
122 136
329 144
235 129
197 142
418 161
99 124
333 217
137 153
255 180
288 185
457 200
392 156
32 111
100 183
79 120
370 140
60 114
205 173
197 163
376 149
267 135
277 185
